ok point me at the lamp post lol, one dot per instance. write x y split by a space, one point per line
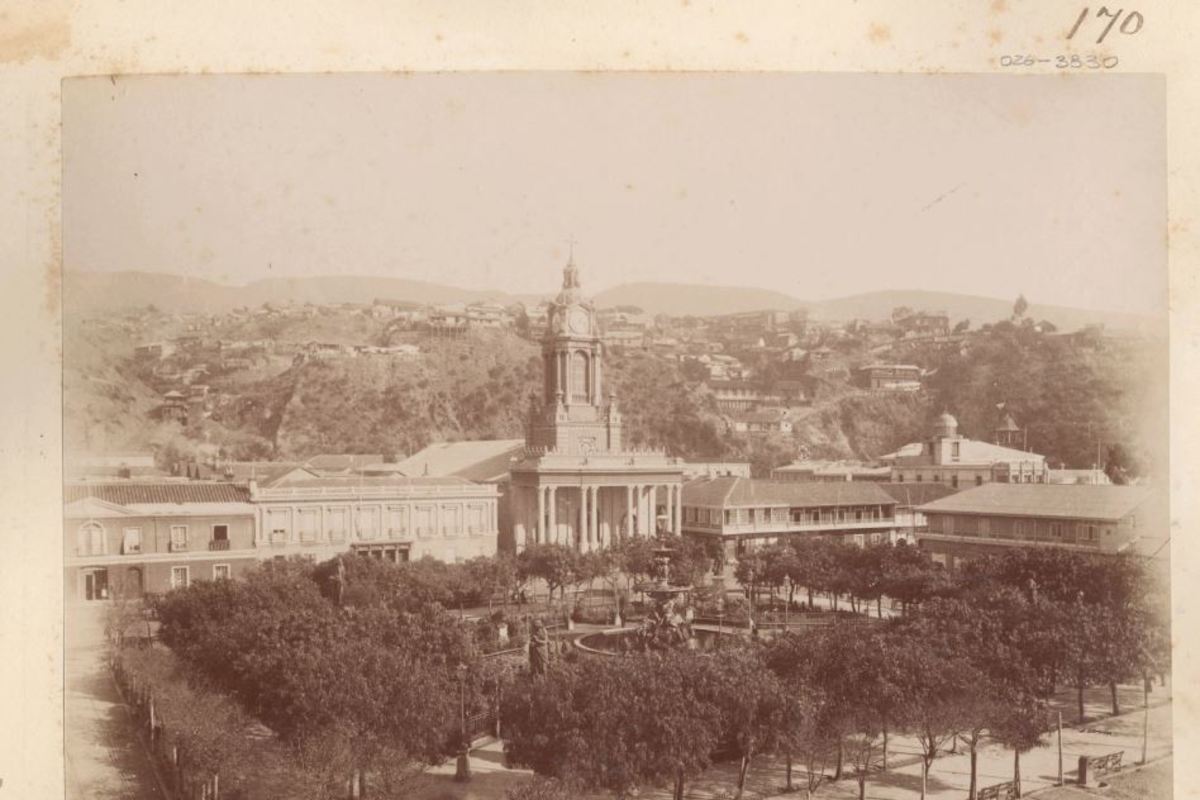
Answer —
787 600
462 772
720 618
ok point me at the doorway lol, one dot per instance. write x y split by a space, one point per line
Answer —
133 582
95 584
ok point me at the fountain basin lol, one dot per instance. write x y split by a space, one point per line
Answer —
619 641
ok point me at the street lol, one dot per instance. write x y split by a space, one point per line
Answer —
104 757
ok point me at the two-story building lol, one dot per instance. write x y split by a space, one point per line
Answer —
922 323
391 517
995 517
889 377
740 514
130 538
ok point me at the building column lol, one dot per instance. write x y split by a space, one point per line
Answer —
679 509
627 533
645 525
552 499
593 510
581 533
518 523
541 514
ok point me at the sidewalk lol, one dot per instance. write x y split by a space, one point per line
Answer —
950 775
104 757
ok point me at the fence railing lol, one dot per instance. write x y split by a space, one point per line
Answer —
184 780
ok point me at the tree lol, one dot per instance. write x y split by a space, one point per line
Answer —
1020 307
750 572
693 370
963 326
812 565
864 574
325 676
937 684
756 709
493 576
813 734
555 564
1020 726
910 576
616 723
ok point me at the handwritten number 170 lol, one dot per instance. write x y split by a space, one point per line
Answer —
1131 23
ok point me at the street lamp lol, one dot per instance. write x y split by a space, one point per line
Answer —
787 600
720 618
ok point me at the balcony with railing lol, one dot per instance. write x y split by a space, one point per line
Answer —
218 544
781 526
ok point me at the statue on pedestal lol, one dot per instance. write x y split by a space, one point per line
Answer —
539 649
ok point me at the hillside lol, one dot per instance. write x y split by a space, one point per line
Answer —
681 299
470 388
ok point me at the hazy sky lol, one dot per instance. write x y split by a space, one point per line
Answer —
814 185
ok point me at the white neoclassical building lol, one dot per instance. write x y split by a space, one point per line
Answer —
575 484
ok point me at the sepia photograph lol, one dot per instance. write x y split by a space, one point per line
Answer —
541 435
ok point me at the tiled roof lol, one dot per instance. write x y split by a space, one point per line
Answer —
477 460
735 491
158 493
1043 500
916 494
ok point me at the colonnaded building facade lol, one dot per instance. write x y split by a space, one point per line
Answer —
575 483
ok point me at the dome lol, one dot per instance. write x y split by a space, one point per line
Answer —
946 426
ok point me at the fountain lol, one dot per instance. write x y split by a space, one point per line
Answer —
664 626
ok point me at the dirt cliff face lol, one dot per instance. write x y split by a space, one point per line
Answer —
861 426
470 388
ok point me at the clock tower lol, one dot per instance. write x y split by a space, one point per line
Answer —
574 416
576 484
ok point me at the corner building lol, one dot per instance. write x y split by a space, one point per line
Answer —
575 483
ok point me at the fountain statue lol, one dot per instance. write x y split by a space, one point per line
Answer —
664 626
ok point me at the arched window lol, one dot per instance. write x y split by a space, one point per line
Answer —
92 539
580 378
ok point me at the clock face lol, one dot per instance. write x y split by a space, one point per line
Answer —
577 319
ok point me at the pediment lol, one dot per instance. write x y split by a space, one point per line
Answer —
94 508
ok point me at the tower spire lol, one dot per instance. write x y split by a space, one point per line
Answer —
571 272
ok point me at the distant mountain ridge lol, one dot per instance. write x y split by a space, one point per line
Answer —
112 291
